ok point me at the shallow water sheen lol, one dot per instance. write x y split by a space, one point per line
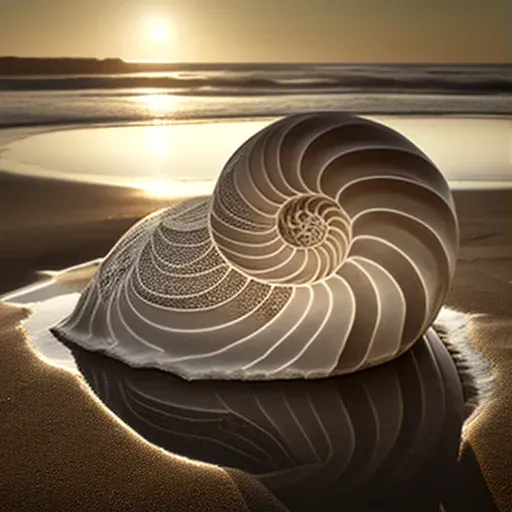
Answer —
181 160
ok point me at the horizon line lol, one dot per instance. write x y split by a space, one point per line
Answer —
291 62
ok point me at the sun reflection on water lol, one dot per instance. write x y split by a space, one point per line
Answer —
158 141
161 144
158 103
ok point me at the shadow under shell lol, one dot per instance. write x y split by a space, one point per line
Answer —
384 437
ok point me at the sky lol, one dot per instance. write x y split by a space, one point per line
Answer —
260 30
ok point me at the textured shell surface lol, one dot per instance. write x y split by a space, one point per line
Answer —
327 247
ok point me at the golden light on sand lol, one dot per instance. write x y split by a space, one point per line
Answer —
158 189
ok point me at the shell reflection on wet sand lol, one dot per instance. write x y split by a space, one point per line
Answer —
387 436
383 439
327 247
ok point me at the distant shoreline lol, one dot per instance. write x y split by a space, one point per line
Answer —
30 66
74 66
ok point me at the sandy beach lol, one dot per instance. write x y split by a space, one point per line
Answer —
482 286
63 448
255 256
53 427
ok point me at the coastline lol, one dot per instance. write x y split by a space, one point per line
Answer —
58 125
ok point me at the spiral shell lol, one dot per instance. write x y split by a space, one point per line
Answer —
327 247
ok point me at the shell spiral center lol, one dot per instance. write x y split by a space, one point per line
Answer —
300 225
315 225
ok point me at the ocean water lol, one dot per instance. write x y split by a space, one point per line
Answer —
157 157
191 92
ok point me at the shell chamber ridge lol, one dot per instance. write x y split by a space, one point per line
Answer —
327 247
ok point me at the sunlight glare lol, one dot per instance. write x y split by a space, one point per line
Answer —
160 189
157 141
159 103
160 30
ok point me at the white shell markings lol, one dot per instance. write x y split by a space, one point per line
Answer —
327 247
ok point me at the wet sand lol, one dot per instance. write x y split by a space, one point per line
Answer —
62 450
483 286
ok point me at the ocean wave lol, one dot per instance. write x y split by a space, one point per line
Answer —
479 80
98 120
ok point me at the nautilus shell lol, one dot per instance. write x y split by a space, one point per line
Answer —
327 247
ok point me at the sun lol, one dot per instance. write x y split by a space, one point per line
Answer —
160 30
156 38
